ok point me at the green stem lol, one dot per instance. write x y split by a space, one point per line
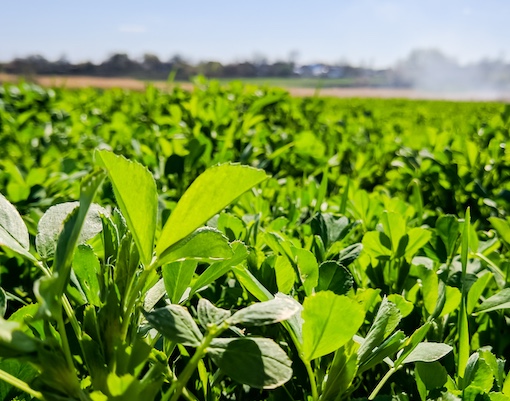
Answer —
65 302
133 296
177 387
313 383
65 342
21 385
381 383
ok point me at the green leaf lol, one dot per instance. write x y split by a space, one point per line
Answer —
175 323
462 324
429 287
341 373
253 286
498 301
13 341
394 227
447 227
308 268
273 311
349 254
418 237
21 370
209 314
502 227
330 321
52 222
386 321
88 270
377 245
256 362
3 303
453 299
482 376
136 194
13 231
386 349
334 277
432 374
177 277
427 352
210 193
285 274
412 342
205 244
70 235
402 304
476 291
218 269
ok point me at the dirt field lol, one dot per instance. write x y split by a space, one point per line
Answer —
134 84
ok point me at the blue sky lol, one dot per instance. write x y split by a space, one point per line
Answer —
370 32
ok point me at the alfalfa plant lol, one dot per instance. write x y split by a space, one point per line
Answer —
90 335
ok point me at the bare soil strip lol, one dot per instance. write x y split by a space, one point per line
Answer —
386 93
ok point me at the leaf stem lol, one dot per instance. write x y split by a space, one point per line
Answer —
133 296
311 376
65 342
21 385
382 382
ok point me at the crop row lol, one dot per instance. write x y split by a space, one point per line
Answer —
250 246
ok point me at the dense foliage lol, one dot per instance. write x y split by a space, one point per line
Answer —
271 247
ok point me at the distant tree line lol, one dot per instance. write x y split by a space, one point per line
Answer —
425 69
149 67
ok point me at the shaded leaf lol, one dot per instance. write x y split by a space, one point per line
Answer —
334 277
175 323
207 313
256 362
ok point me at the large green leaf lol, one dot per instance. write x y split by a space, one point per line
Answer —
330 321
175 323
257 362
136 194
210 193
13 231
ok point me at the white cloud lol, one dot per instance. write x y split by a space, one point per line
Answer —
131 28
